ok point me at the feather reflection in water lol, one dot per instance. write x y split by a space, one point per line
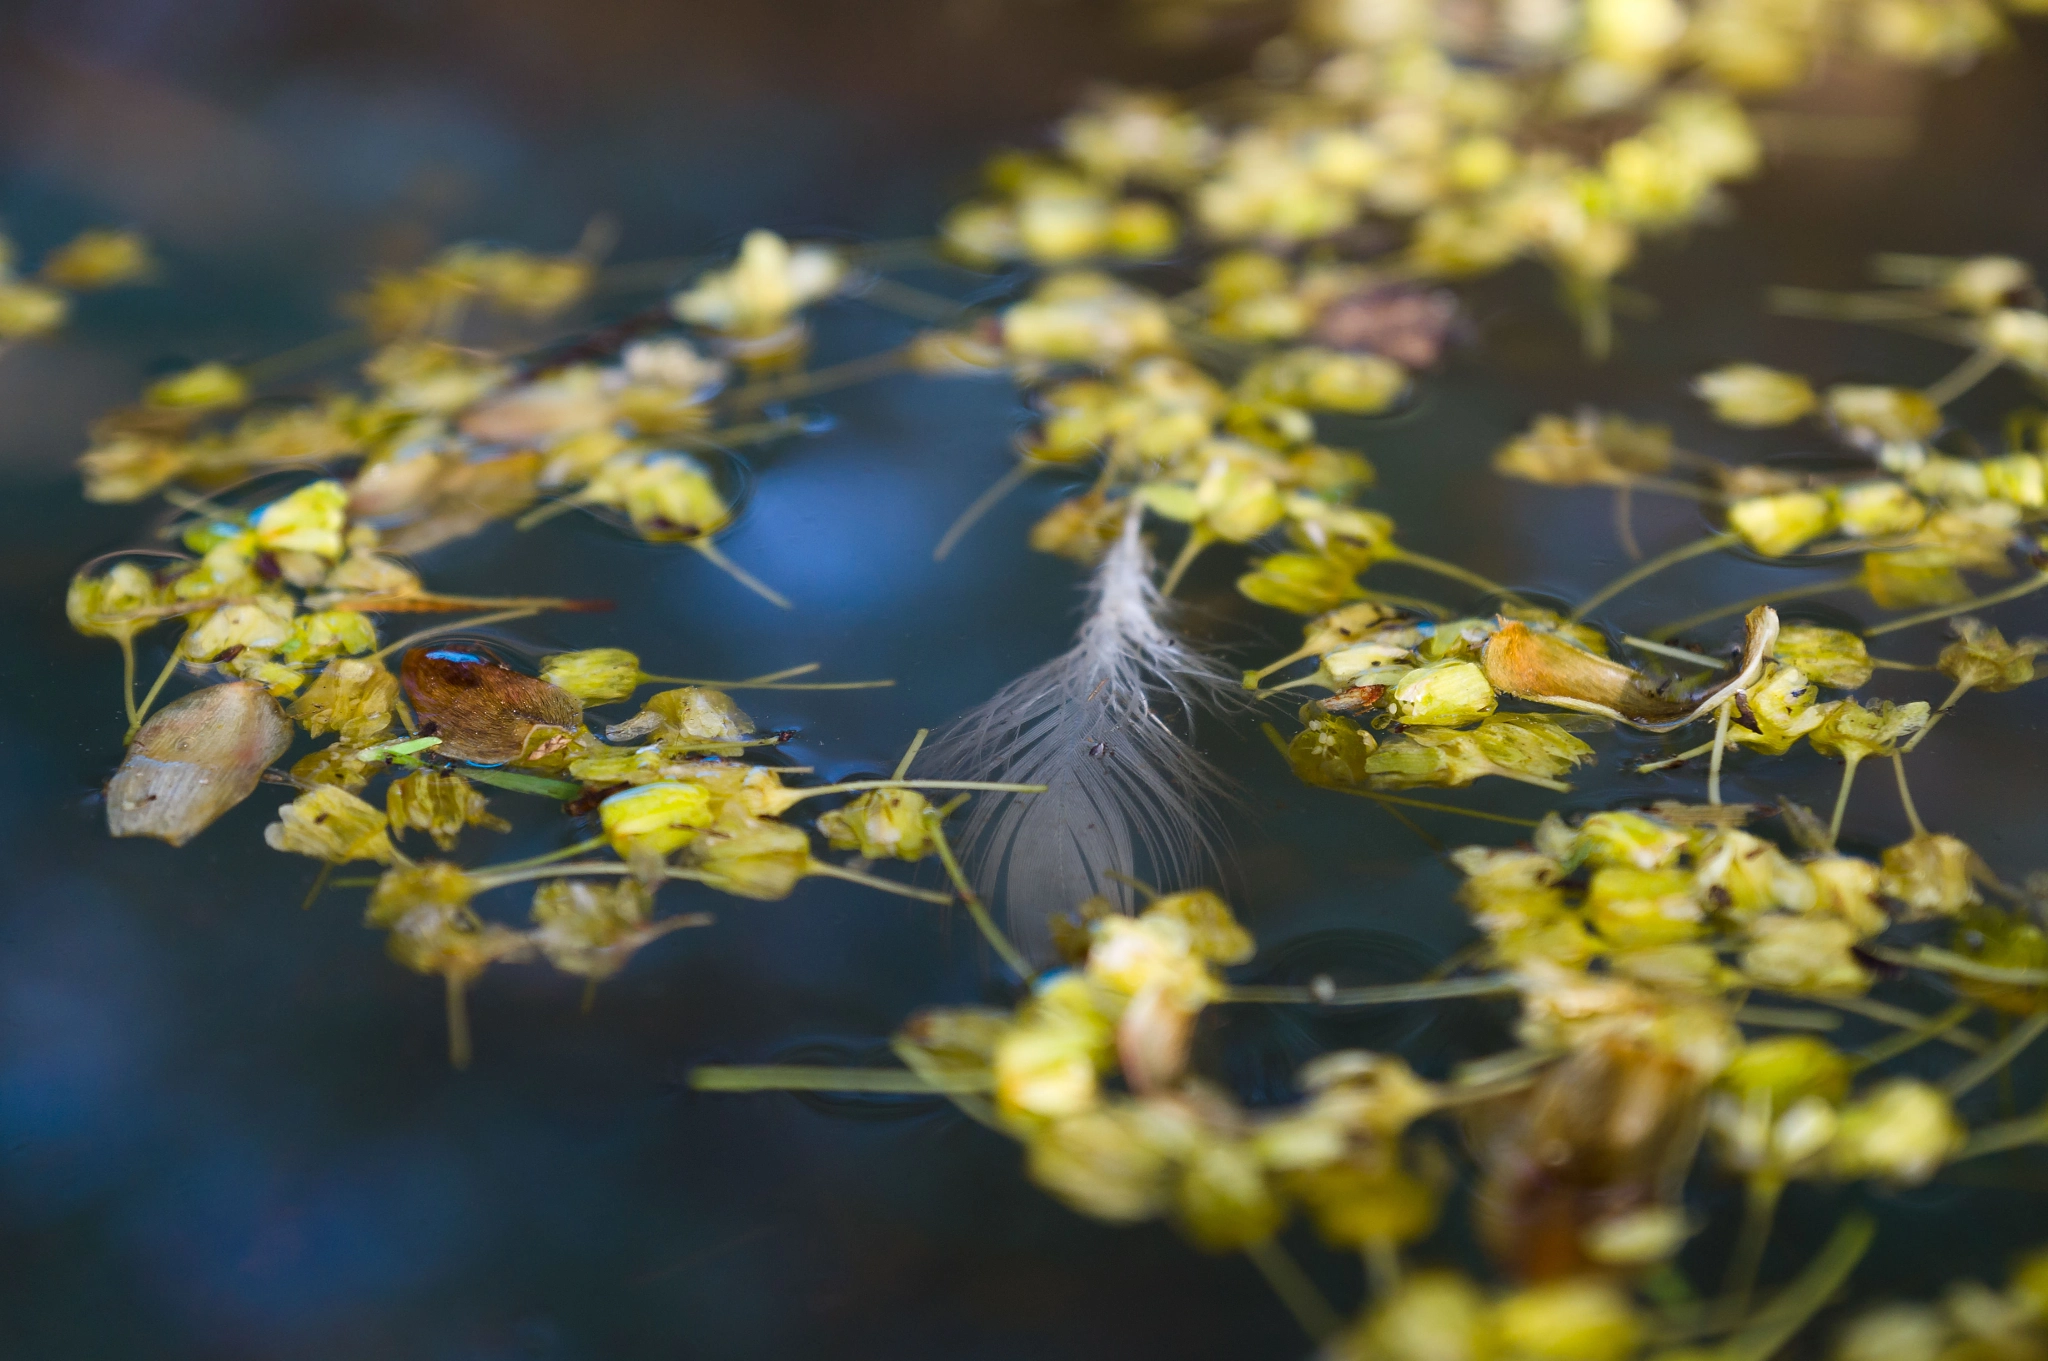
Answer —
1126 794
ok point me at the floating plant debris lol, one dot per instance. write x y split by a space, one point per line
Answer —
1696 989
194 760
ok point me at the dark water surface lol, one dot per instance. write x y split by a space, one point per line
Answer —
227 1126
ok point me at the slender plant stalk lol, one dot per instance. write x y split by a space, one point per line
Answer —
1759 1212
1935 1027
850 786
126 642
1964 376
983 504
774 680
1197 540
910 754
1765 1335
156 688
1423 562
739 436
1296 1291
2032 583
1998 1057
1905 1018
2006 1135
1906 796
1720 746
1382 1266
1700 660
453 625
1712 543
1701 750
457 1003
1849 765
1955 695
548 859
740 574
1691 621
1962 966
776 1077
319 886
978 910
816 381
1787 1018
831 871
1385 994
1624 520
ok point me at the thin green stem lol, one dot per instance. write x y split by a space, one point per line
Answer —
319 886
1423 562
828 870
1382 1266
737 436
451 626
1937 960
1906 796
1787 1018
457 1004
983 922
1385 994
817 380
486 881
1197 540
2033 583
772 681
1934 1027
916 745
1955 695
2006 1135
983 504
1765 1335
851 786
1434 609
904 300
1720 746
1252 678
127 645
1692 621
314 352
776 1077
1701 750
156 688
545 512
1700 660
1906 1018
1964 376
1998 1057
740 574
1624 521
1849 765
552 857
1697 548
1296 1291
1759 1212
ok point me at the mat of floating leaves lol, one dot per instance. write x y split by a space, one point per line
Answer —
1677 978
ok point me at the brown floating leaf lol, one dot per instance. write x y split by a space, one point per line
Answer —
1402 322
482 710
195 760
1548 669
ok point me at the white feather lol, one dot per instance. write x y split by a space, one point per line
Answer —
1126 792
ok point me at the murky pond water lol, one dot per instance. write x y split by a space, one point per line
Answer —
228 1127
